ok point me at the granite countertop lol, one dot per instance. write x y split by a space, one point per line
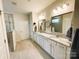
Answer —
59 39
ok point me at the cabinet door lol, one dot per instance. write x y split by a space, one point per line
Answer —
34 37
38 39
42 41
52 48
47 45
55 50
59 51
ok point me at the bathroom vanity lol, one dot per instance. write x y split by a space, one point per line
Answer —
53 36
58 47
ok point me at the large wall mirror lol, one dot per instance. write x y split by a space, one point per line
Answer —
61 23
58 24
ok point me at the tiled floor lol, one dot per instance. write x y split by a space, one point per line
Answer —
28 50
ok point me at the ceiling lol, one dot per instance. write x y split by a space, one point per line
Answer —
25 6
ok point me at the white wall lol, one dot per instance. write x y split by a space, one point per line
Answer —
75 21
67 19
30 25
21 26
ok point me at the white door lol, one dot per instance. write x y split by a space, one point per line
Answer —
3 54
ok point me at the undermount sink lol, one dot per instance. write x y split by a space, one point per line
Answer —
63 39
52 36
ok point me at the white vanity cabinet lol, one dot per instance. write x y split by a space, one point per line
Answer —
54 48
60 51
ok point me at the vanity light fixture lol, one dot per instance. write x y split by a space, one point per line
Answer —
41 17
59 8
65 6
55 11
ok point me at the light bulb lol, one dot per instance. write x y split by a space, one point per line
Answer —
65 6
41 17
55 11
59 8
